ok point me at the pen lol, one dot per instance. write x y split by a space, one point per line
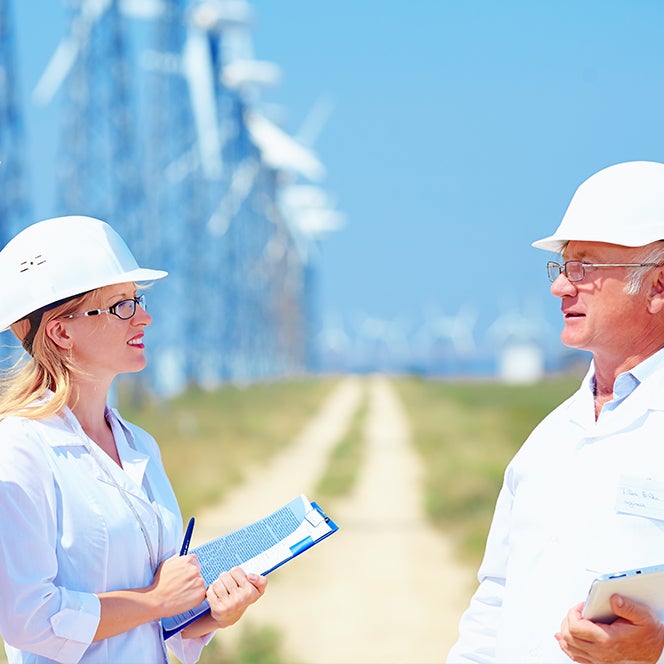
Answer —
187 537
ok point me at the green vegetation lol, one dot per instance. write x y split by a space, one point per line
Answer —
210 440
346 459
256 645
466 433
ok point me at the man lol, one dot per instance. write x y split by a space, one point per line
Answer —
561 518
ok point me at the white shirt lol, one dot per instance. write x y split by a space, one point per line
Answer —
561 518
67 533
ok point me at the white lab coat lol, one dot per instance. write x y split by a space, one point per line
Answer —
66 533
562 518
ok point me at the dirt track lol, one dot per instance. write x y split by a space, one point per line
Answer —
385 588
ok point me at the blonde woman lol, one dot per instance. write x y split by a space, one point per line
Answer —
90 529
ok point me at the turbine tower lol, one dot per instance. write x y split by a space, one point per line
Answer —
183 163
14 207
97 170
238 302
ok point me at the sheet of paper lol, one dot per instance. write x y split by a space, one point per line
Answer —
259 547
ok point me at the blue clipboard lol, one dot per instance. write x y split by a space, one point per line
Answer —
174 624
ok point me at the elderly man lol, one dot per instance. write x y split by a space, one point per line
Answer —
562 518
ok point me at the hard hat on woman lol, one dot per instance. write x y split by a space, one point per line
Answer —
57 259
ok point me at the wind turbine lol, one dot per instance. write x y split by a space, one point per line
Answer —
197 59
455 329
194 62
14 205
81 26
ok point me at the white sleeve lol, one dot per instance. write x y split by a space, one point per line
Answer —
35 613
478 627
188 651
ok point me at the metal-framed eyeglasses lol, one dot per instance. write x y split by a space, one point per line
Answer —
123 309
575 270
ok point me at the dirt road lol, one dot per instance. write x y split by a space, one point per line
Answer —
385 588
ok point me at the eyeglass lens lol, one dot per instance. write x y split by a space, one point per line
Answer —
127 308
573 270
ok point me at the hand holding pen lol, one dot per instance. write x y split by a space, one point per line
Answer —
178 584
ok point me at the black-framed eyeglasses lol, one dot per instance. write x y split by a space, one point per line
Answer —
575 270
124 309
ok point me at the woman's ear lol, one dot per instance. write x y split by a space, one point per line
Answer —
58 332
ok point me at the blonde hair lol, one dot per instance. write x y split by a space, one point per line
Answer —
49 367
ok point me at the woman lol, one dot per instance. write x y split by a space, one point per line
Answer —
89 526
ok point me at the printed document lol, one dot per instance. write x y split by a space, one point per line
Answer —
260 547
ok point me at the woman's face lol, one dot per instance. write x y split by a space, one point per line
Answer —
104 345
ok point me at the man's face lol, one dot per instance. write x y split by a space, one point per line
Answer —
599 316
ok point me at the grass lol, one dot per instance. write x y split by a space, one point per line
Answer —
210 440
256 645
466 433
346 459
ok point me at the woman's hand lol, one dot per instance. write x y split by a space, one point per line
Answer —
178 585
231 594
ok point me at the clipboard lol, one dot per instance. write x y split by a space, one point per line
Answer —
643 584
313 526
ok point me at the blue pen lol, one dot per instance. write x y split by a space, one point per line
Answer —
187 537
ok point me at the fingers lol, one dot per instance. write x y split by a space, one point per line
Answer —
229 583
259 582
576 635
634 612
178 585
636 636
231 593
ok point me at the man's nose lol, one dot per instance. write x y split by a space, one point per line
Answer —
562 286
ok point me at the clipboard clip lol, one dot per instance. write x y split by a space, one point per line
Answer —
318 514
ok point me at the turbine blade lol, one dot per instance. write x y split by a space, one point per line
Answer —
56 71
200 78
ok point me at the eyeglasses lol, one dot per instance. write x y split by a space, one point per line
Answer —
575 270
124 309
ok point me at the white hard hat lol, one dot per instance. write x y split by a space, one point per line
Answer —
59 258
622 204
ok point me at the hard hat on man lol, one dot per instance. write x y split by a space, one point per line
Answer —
59 258
622 204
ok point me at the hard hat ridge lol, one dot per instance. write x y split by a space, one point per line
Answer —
622 204
58 258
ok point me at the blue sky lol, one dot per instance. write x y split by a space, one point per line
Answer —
458 133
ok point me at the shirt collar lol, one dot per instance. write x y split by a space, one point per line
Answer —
628 381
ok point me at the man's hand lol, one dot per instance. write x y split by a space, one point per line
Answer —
636 636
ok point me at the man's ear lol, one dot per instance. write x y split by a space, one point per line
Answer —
58 331
656 295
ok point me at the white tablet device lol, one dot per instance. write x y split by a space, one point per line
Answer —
645 585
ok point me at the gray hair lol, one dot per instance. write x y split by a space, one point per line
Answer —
636 275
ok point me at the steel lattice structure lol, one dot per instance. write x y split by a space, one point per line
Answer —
14 205
191 173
